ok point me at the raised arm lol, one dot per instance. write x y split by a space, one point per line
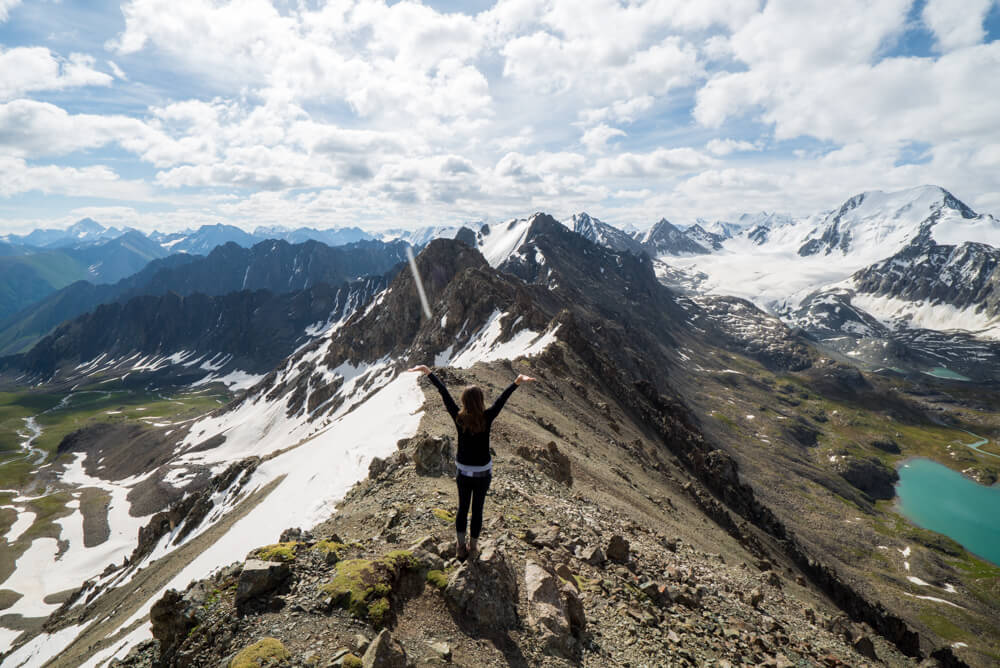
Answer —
449 403
494 410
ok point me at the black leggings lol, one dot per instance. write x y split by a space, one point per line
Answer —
471 489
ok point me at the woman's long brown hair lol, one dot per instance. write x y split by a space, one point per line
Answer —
472 417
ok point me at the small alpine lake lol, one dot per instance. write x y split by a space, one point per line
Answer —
934 497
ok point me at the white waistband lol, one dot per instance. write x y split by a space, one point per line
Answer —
465 469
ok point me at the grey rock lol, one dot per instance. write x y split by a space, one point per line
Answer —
442 649
549 460
593 556
484 592
433 455
259 577
547 609
384 652
866 648
361 642
544 536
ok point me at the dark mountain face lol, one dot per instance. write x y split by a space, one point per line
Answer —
31 274
963 276
666 239
252 330
275 266
605 235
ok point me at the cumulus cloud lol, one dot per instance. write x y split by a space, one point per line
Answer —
16 176
726 146
596 138
955 27
40 129
28 69
661 162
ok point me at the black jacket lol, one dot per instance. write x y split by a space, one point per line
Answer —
473 448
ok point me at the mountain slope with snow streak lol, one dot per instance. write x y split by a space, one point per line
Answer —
309 429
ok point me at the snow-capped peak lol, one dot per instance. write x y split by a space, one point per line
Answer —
888 221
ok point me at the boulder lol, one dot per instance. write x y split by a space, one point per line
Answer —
593 555
543 536
483 593
259 577
618 549
886 445
433 455
171 618
547 609
549 461
384 652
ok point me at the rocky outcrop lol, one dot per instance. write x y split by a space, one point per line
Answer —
260 577
432 455
548 612
549 461
483 593
189 512
869 475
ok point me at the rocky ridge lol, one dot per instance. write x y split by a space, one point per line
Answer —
562 579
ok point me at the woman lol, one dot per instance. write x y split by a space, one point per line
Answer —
475 466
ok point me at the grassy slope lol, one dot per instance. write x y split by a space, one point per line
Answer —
847 526
29 278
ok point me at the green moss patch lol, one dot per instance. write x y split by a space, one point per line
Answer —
437 578
363 587
283 552
352 661
264 652
444 515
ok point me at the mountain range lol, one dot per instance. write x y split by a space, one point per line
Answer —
693 421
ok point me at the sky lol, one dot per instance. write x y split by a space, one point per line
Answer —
166 115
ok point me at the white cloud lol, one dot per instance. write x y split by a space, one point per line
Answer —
16 176
117 71
42 129
5 7
956 26
661 162
726 146
596 138
28 69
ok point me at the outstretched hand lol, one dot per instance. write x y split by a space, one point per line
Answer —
420 368
521 378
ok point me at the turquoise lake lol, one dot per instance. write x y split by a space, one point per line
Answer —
942 372
934 497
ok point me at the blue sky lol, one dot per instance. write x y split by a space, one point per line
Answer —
167 115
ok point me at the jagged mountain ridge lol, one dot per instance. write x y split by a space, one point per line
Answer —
664 238
275 266
604 234
248 330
